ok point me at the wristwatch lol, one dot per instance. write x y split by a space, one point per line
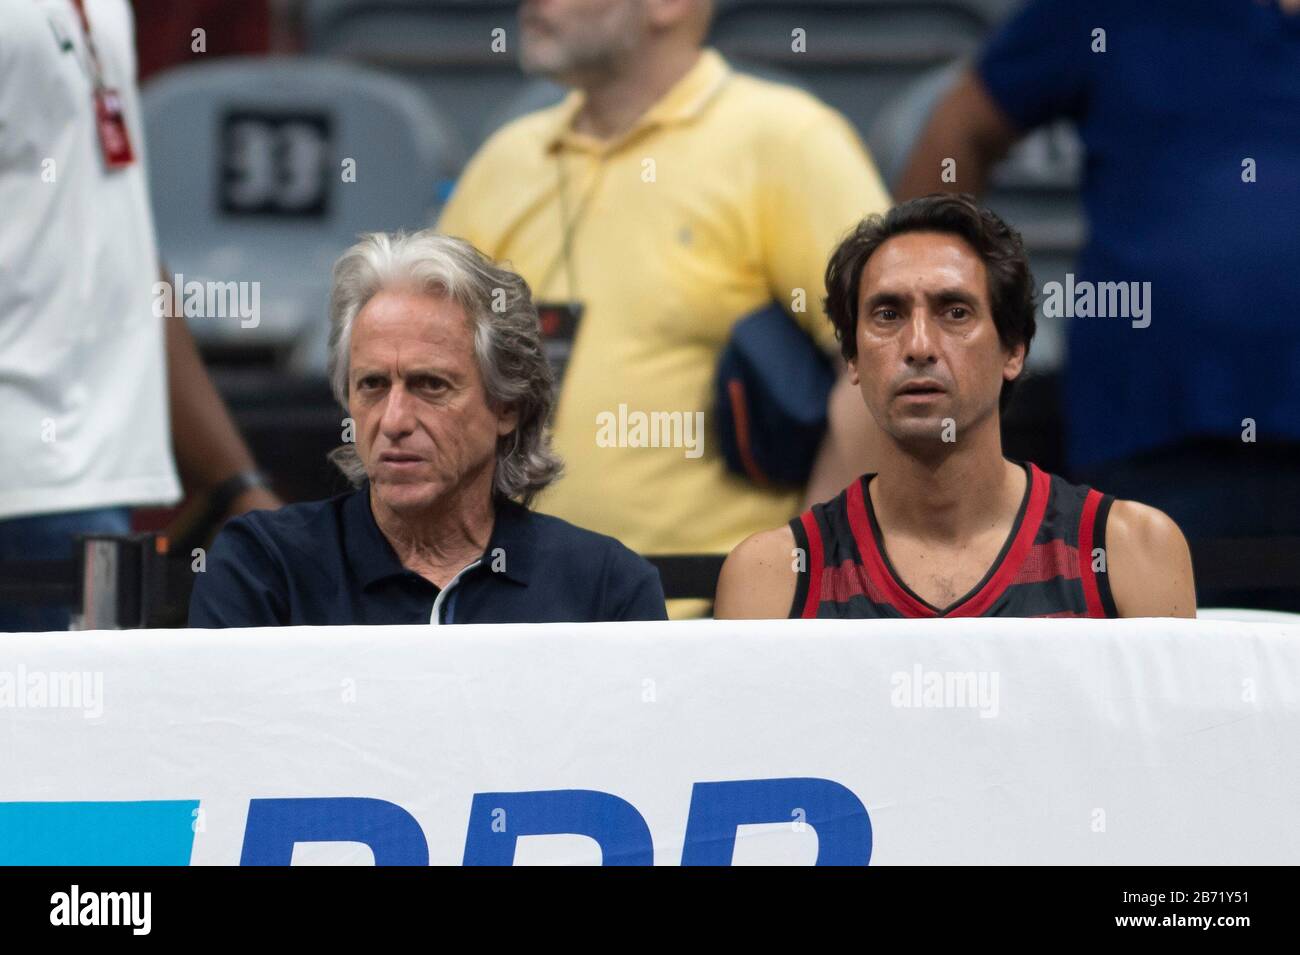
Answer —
223 495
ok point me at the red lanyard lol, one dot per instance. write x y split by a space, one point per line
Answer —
90 43
114 137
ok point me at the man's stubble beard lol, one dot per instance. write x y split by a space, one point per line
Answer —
578 64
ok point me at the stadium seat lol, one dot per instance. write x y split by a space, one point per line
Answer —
1035 189
446 47
859 54
247 175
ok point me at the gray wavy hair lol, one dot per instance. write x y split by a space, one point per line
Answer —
507 341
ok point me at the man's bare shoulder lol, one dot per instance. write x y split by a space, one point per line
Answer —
1144 531
758 578
1148 563
767 549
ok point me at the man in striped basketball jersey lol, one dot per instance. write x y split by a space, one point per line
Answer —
933 308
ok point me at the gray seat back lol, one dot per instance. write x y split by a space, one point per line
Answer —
249 183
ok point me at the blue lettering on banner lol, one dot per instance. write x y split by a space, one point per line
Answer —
274 825
497 820
832 811
160 832
97 833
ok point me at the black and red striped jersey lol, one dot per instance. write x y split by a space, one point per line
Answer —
1050 565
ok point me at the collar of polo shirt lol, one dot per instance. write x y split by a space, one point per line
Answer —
682 103
373 559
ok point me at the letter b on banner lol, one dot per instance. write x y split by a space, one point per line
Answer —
837 816
275 825
614 824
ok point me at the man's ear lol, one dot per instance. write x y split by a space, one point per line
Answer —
851 366
507 419
1015 362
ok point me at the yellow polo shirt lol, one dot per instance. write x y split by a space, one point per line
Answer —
728 193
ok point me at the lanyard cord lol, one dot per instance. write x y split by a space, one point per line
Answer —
569 225
80 6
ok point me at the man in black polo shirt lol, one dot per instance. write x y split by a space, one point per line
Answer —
434 352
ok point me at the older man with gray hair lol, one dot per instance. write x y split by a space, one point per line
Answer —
436 356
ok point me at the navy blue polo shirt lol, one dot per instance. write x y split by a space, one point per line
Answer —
327 562
1183 95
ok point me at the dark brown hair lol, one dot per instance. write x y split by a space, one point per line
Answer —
1011 285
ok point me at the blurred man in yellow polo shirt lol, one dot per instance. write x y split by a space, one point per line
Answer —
664 199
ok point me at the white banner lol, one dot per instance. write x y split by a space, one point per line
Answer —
974 741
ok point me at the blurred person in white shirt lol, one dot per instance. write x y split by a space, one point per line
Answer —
98 391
